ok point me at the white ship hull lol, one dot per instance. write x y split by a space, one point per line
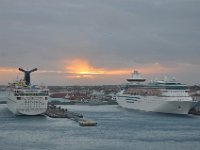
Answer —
156 104
27 105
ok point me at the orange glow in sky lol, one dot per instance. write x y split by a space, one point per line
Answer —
79 68
154 68
80 71
82 68
7 69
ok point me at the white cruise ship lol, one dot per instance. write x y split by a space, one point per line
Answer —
24 99
162 96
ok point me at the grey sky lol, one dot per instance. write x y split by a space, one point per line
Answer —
108 33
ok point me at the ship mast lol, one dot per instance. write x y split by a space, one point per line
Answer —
27 77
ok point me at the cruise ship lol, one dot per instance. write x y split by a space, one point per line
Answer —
163 96
25 99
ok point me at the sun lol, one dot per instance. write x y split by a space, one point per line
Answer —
83 69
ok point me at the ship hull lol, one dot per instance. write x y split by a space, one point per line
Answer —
27 106
170 105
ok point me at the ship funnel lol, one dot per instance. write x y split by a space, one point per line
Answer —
27 77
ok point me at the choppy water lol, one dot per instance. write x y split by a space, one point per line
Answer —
117 129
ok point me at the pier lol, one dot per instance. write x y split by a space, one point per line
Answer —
58 112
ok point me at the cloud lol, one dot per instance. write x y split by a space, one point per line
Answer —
110 34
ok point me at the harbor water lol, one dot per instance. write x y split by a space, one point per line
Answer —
117 129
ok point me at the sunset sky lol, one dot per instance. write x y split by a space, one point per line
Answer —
96 42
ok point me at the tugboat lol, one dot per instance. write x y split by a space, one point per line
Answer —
27 99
